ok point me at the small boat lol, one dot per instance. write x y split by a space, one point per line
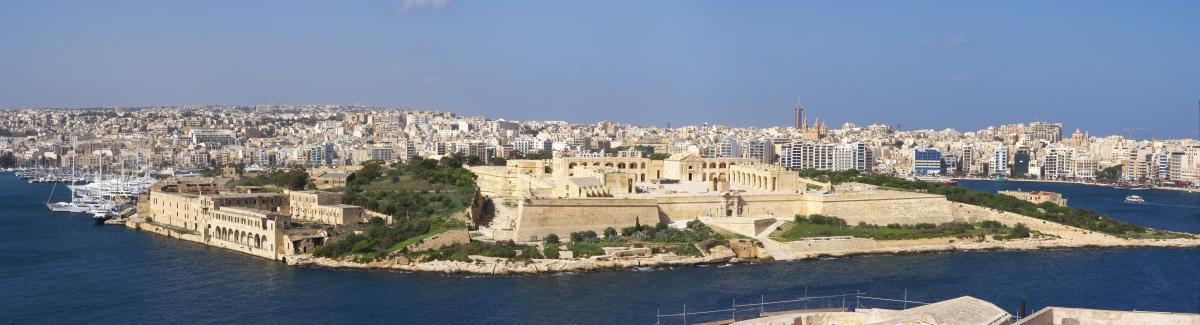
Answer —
936 179
1134 199
102 217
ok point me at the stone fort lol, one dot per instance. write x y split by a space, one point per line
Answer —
536 198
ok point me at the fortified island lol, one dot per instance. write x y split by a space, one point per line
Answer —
403 190
596 213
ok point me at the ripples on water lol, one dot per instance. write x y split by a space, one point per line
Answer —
1167 210
57 268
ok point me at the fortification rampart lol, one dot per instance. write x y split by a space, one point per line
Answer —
690 207
883 207
541 217
839 244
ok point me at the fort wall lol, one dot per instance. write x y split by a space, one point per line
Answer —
884 207
538 218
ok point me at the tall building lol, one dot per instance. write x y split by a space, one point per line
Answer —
801 155
927 162
857 156
382 154
966 160
799 116
527 145
1057 162
999 161
1038 131
316 156
212 137
1020 163
761 150
729 148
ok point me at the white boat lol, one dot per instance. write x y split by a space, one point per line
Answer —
103 195
65 207
1134 199
935 179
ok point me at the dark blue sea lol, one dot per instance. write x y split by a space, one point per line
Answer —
62 269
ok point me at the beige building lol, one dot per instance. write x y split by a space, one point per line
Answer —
185 204
252 231
681 167
766 177
734 194
252 223
1038 197
690 167
331 180
323 207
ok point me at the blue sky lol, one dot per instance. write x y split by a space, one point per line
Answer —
1103 66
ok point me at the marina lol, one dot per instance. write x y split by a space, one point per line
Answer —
105 197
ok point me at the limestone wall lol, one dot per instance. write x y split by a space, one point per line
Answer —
833 244
540 217
445 238
972 213
1060 315
165 231
268 252
886 207
883 207
495 181
673 208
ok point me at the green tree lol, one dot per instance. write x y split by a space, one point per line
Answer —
1110 174
8 160
1020 231
293 179
550 239
610 232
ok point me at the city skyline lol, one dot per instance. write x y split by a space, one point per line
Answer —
1066 127
597 162
922 65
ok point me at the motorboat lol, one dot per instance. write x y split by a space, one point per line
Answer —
1134 199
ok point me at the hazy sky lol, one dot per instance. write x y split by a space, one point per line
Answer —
1103 66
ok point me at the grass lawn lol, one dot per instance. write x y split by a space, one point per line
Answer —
414 239
404 183
792 231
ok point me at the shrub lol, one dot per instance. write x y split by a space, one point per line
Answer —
582 236
818 219
925 226
551 251
610 232
585 249
1020 231
991 224
551 239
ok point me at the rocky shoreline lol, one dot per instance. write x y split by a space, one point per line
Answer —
481 265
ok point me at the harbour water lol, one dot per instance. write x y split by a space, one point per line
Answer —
60 268
1167 210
